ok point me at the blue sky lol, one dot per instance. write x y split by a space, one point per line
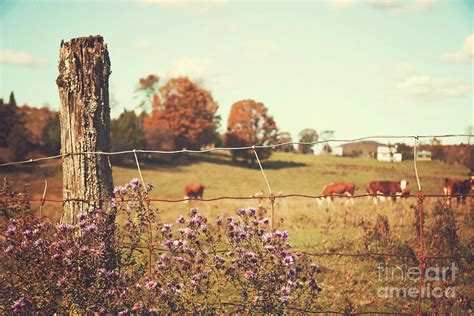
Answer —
359 67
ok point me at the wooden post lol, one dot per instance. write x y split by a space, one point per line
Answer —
83 83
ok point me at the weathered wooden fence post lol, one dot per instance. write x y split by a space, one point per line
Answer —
83 83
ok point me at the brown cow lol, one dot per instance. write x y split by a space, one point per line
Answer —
393 189
194 190
457 188
338 188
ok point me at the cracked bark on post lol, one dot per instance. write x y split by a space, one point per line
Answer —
83 83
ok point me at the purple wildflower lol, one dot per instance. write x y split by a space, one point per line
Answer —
123 313
39 243
150 285
11 230
9 249
17 305
91 227
249 254
81 216
193 211
181 260
84 250
265 221
288 260
285 290
180 219
137 307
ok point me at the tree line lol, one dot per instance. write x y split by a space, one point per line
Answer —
179 114
173 114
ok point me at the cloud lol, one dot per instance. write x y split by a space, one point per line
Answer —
464 55
425 88
143 44
402 71
394 6
259 49
20 58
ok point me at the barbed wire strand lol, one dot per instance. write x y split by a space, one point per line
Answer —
304 196
274 146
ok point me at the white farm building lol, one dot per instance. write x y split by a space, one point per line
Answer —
388 153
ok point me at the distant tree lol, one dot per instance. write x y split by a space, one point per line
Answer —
284 137
327 134
189 110
126 133
146 88
19 142
469 131
12 100
308 135
8 119
51 135
435 141
157 131
405 150
437 153
249 124
327 149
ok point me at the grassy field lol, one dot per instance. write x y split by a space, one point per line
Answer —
312 228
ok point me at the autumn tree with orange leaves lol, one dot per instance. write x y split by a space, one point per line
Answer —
250 124
182 109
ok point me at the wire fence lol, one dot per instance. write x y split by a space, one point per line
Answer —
421 256
253 147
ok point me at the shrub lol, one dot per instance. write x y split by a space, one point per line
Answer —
442 237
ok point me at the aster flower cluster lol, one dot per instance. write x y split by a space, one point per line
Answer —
48 268
96 265
263 266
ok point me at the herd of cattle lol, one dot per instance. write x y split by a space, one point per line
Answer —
376 190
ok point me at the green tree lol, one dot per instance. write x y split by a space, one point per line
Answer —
51 135
12 101
19 142
127 133
308 135
282 138
8 119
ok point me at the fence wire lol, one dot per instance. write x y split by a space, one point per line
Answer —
253 147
